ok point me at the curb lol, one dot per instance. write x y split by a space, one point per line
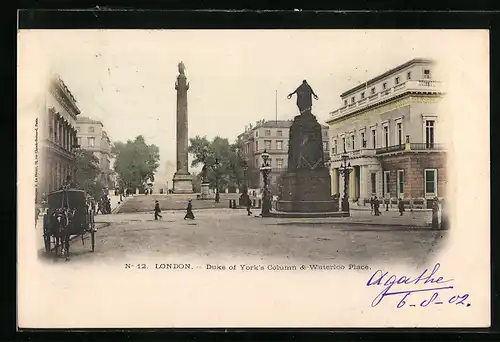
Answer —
429 227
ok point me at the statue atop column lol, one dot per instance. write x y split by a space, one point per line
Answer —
304 97
182 68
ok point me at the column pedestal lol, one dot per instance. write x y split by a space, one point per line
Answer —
182 184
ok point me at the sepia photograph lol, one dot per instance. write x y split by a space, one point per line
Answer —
253 178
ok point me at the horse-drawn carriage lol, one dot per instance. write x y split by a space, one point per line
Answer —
68 215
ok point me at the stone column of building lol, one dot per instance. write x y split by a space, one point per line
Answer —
182 181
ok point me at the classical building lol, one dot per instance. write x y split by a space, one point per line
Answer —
57 135
270 136
92 137
390 128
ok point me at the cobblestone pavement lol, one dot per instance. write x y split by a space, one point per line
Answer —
226 232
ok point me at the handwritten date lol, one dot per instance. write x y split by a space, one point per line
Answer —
435 285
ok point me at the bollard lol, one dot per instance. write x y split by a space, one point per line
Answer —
260 204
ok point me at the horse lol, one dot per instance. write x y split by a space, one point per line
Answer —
61 223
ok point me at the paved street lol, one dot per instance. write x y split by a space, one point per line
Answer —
230 232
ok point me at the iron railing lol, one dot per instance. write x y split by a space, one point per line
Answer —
388 149
425 146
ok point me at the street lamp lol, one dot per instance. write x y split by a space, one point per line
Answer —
345 169
265 169
216 169
245 169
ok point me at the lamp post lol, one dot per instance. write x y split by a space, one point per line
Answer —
216 169
265 169
345 169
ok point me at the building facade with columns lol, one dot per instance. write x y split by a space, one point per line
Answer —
390 129
92 137
271 136
57 135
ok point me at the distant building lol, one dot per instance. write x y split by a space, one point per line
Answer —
271 136
92 137
57 136
390 128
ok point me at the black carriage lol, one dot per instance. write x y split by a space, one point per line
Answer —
68 215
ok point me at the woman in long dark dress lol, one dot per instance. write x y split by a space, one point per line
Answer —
189 211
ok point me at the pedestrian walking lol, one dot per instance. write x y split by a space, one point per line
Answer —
157 210
189 211
401 207
372 204
249 205
376 206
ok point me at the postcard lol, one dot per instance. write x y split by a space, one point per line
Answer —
253 179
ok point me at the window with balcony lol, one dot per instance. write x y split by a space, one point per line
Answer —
334 148
372 90
408 75
429 133
400 183
430 178
279 145
353 140
386 136
374 138
91 129
396 80
280 133
353 99
267 132
91 141
279 163
427 73
373 181
343 143
362 95
386 183
363 141
267 144
399 129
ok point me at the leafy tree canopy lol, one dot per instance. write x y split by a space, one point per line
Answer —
231 172
136 162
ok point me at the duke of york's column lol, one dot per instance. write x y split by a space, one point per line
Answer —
182 181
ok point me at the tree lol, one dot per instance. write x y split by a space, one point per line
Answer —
230 171
136 162
87 173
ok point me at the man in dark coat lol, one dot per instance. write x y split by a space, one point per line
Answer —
189 211
401 207
157 210
376 206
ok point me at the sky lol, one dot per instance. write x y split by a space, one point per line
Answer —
126 78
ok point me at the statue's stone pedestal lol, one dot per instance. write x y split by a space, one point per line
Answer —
307 191
306 186
205 191
183 184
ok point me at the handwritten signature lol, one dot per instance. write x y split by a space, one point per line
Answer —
434 284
